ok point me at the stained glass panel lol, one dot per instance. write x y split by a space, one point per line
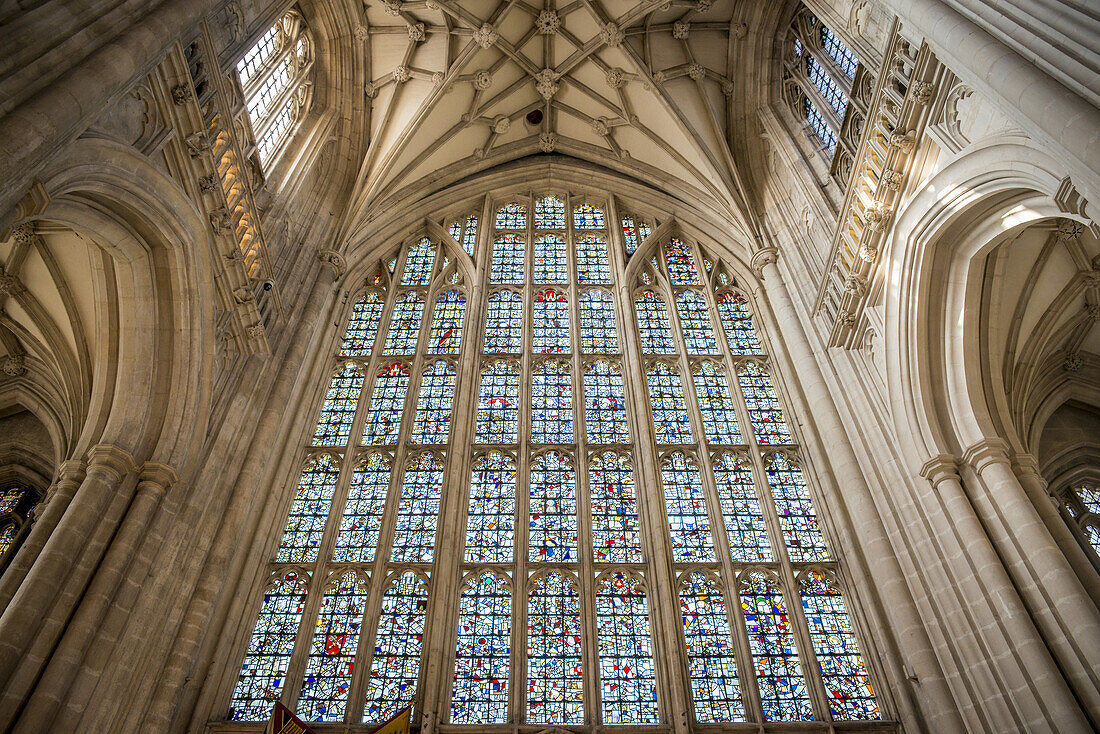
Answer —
695 323
7 537
306 522
681 263
615 535
737 323
387 401
363 326
507 264
552 404
634 235
512 216
666 396
482 660
549 213
446 333
846 682
264 669
338 410
504 323
10 497
362 520
551 323
716 405
592 263
686 507
432 423
324 695
553 509
605 404
398 643
418 263
765 412
498 404
712 663
491 520
404 325
551 261
555 688
797 517
599 334
653 324
745 529
779 675
418 511
587 216
627 684
469 235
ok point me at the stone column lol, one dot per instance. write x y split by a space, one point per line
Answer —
55 686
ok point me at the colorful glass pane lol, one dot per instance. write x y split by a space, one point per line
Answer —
498 405
552 404
666 396
338 410
779 677
404 325
737 323
716 405
552 534
363 326
491 520
10 497
551 261
681 263
605 404
306 522
549 213
7 537
587 216
765 413
797 517
264 669
361 523
551 323
387 401
466 235
653 324
615 535
627 684
504 323
634 235
482 658
324 694
398 644
555 687
592 263
455 230
846 683
599 334
418 511
712 663
432 423
686 507
512 216
695 323
508 255
745 529
446 333
418 263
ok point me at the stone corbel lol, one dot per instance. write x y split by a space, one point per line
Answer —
333 260
763 258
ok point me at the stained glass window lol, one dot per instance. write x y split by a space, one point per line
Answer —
1089 497
7 537
387 402
716 405
551 323
446 333
605 404
433 411
508 254
549 213
465 235
491 520
681 264
362 519
338 410
779 675
404 325
504 323
363 326
695 323
418 511
306 522
553 509
555 687
398 643
552 404
653 324
615 535
818 124
599 334
797 517
587 216
627 684
498 404
765 412
262 674
482 660
666 396
256 56
686 507
551 261
712 665
839 53
418 263
324 695
10 497
512 216
737 323
744 522
592 263
834 641
634 235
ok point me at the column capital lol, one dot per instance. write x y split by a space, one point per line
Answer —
73 470
987 452
940 468
762 258
156 477
111 459
1026 464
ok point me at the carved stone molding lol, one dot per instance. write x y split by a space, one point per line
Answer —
1072 362
922 92
904 142
10 285
197 144
940 468
548 22
34 202
696 72
156 478
221 221
486 35
762 258
243 294
987 452
680 30
548 142
111 460
181 94
612 35
14 365
334 260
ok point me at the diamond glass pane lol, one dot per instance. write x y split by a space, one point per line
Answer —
818 124
306 522
599 334
628 688
552 404
712 664
324 694
552 533
716 405
653 324
498 405
418 511
361 524
666 397
615 534
686 508
363 326
1090 498
491 520
387 401
550 315
504 323
482 658
745 529
797 517
592 264
695 323
825 84
432 423
551 263
507 264
555 687
469 235
404 325
779 675
398 643
765 413
839 53
338 409
255 57
605 404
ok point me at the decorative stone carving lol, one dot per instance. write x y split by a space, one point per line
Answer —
702 6
393 7
370 89
546 83
243 294
236 20
696 72
486 36
334 260
615 77
855 284
221 221
680 30
548 22
902 141
1092 311
501 124
659 77
362 33
891 180
922 92
547 142
599 126
208 183
612 35
401 74
763 258
197 144
24 234
1069 230
256 331
727 87
14 365
1072 362
845 318
739 30
181 94
417 32
868 252
878 216
10 285
483 80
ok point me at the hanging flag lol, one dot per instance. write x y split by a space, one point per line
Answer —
283 721
396 724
